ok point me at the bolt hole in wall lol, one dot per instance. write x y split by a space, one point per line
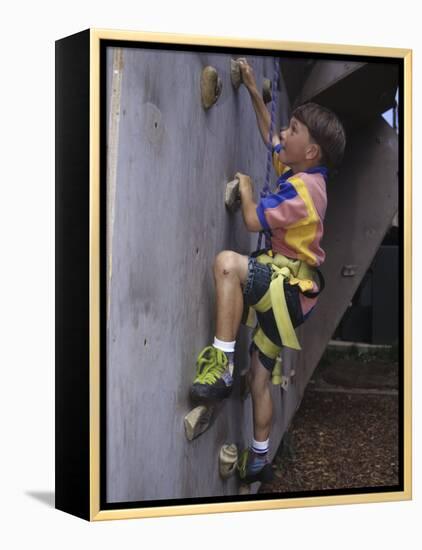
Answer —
372 316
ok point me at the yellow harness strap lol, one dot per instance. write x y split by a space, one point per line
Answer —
296 272
263 343
277 374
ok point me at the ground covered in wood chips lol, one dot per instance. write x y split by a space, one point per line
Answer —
343 436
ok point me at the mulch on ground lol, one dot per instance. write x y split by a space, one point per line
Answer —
339 441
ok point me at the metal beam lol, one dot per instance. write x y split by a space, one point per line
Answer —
357 92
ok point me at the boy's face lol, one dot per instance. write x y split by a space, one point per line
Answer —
298 146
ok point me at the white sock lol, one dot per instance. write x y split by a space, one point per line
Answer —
227 347
260 447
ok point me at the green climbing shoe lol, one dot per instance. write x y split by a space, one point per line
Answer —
252 467
213 381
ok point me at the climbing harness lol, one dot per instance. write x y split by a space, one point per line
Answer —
284 270
294 272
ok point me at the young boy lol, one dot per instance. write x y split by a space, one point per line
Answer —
281 283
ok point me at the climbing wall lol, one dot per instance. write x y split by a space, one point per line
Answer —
168 162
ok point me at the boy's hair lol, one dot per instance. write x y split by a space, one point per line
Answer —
325 129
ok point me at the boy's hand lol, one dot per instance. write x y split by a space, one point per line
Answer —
250 217
245 185
248 77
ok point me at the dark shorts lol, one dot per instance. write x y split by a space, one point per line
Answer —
257 284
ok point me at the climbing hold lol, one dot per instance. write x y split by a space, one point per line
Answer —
266 90
232 197
198 420
244 489
235 73
211 86
227 460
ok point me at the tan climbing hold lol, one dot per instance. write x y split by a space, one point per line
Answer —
232 197
235 73
211 86
197 421
227 460
266 90
244 489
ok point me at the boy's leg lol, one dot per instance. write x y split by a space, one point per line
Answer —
253 464
214 379
230 274
262 403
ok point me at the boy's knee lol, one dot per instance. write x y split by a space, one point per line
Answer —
225 262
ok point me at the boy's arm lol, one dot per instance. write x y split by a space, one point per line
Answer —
248 206
283 209
263 117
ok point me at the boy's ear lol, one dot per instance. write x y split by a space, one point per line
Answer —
313 151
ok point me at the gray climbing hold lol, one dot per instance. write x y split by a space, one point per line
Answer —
235 73
232 197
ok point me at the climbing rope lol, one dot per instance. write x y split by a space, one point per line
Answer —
266 188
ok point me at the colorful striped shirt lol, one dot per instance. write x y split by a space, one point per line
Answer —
294 215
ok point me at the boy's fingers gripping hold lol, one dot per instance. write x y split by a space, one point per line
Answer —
241 176
245 183
246 70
